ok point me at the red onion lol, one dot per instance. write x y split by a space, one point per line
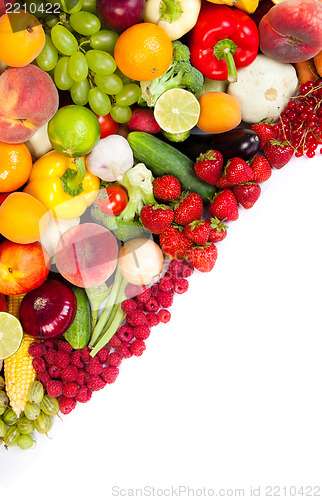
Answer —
48 311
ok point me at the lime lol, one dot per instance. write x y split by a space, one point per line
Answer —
11 334
177 111
74 131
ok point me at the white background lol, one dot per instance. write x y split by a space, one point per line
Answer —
228 394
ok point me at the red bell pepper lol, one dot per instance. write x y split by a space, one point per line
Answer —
223 40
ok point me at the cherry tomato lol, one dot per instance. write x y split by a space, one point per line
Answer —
3 196
112 200
3 303
108 125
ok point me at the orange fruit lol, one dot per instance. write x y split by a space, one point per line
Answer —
21 38
15 166
23 219
143 52
219 112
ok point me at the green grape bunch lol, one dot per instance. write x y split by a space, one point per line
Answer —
78 55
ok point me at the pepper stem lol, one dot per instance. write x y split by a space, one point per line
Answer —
225 49
170 10
72 179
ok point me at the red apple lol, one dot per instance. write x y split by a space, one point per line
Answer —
291 30
86 255
3 303
22 267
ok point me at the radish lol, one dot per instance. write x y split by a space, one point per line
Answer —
143 120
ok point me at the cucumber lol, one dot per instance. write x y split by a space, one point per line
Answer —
163 159
79 332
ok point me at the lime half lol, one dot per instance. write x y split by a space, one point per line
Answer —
177 111
11 334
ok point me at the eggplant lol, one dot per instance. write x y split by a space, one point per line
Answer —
241 142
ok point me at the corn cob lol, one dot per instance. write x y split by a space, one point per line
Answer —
18 370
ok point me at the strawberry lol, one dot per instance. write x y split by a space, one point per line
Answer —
209 165
198 232
218 230
265 132
174 243
236 171
188 208
278 153
261 168
247 194
156 218
224 206
203 258
166 188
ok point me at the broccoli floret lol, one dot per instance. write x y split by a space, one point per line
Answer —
123 230
181 52
180 74
125 226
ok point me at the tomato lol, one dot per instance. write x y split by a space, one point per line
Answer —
3 303
112 200
3 196
108 125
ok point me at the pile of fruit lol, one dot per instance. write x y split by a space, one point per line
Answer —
131 134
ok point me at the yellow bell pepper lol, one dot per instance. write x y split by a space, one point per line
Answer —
63 185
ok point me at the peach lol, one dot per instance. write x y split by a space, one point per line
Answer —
86 255
291 30
28 100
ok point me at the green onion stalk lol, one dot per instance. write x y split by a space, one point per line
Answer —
111 317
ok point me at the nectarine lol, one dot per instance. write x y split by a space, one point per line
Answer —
28 100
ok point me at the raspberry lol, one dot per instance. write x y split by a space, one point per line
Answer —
114 359
176 267
102 354
62 359
95 383
86 354
165 299
137 347
152 319
83 394
168 274
39 365
128 306
54 388
54 371
165 284
64 346
82 377
139 305
94 367
110 374
49 344
155 289
123 351
75 359
142 332
131 290
181 285
114 341
125 333
36 349
136 318
144 295
44 377
70 389
164 316
66 404
50 356
152 305
69 374
187 269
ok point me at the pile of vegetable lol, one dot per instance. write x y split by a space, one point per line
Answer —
157 126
